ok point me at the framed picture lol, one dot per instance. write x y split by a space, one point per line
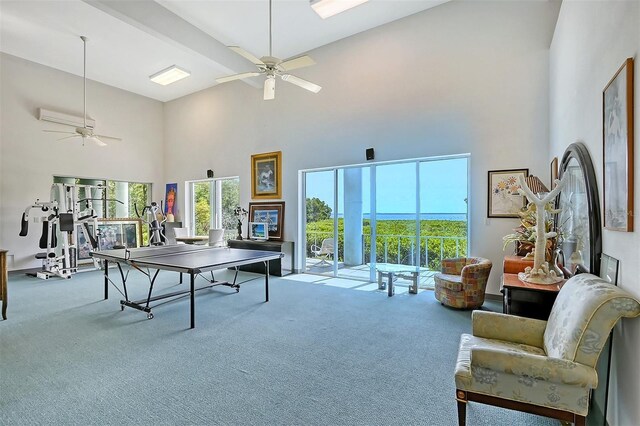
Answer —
170 199
266 175
119 232
609 268
554 172
84 246
258 231
617 137
270 213
504 199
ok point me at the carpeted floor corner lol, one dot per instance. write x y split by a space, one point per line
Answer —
313 355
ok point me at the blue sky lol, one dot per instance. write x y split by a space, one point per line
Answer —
443 187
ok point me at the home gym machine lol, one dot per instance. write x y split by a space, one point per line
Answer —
154 217
63 219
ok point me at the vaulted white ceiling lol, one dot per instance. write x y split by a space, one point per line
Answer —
131 39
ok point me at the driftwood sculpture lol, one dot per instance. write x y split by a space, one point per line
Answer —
540 273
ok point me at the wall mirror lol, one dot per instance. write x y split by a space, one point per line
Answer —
579 220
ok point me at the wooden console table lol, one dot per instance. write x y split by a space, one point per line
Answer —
278 267
3 282
527 299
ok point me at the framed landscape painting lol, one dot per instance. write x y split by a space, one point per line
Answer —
119 232
270 213
617 137
504 200
266 175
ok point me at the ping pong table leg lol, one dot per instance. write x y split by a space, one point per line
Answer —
193 300
106 279
266 279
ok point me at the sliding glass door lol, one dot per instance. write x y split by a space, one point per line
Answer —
408 213
320 222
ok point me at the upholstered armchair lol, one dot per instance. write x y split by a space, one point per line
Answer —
542 367
462 282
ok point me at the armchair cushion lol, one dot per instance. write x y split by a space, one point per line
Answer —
451 282
492 325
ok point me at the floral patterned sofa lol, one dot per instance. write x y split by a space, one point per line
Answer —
462 282
542 367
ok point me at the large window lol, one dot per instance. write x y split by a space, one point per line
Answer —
212 204
411 212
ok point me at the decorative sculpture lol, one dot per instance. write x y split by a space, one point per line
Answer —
240 213
540 273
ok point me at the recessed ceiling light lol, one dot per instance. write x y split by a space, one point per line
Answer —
169 75
328 8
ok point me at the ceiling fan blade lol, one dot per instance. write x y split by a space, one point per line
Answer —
237 77
295 63
60 131
69 137
270 88
107 137
95 139
240 51
312 87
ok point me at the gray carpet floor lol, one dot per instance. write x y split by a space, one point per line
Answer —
313 355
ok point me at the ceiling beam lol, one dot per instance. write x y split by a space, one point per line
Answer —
156 20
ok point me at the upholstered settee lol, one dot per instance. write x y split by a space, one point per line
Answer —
542 367
462 282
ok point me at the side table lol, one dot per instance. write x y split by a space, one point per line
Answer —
527 299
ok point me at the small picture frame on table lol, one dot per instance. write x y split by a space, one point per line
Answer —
504 200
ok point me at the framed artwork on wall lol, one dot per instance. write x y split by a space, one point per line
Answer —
271 214
266 175
170 199
504 200
617 137
554 172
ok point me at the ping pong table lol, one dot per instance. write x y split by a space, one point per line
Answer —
185 259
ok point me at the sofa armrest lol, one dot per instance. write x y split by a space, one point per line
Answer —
511 328
539 367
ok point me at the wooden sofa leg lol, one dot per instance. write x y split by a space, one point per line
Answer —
461 398
580 421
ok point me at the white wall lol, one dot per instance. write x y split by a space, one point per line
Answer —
591 41
462 77
29 158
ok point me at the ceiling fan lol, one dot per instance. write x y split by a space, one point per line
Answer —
84 132
273 67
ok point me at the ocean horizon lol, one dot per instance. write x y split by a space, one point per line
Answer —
412 216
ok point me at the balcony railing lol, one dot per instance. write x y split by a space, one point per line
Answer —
400 249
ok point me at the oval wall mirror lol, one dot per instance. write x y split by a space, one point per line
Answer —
579 219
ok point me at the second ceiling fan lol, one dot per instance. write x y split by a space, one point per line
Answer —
85 132
273 67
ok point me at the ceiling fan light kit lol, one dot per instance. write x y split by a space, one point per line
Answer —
169 75
272 67
329 8
86 131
